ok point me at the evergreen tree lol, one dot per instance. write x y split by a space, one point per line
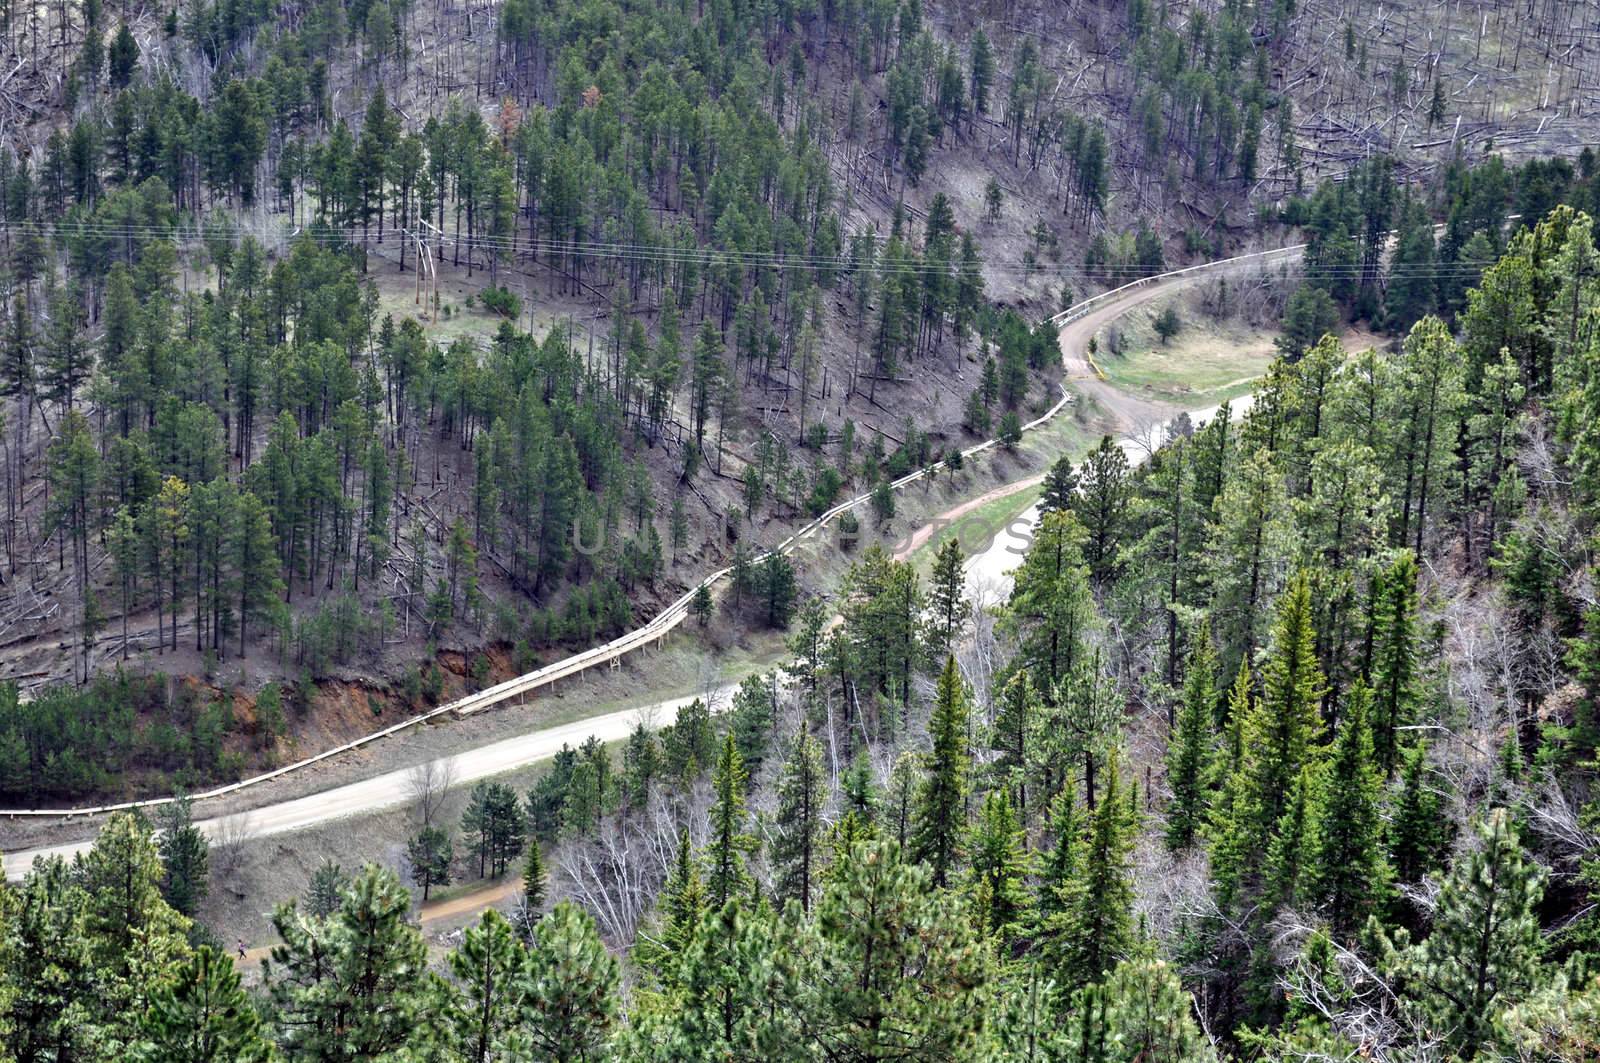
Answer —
530 905
801 797
1286 852
569 990
1094 929
700 605
1483 953
495 825
1061 860
1431 402
1347 873
1146 1014
1394 663
185 858
725 871
941 805
1051 603
1284 725
999 866
47 966
682 904
484 1008
898 972
350 987
430 854
256 562
1418 832
124 917
204 1015
1060 486
1310 314
1189 748
1015 736
325 891
123 57
947 602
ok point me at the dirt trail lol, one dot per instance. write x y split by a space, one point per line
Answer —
917 538
469 903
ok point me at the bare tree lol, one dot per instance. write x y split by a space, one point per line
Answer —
617 873
230 841
429 783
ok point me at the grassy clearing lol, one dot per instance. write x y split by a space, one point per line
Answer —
397 297
1206 362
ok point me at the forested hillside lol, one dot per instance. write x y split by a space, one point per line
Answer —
338 334
1280 747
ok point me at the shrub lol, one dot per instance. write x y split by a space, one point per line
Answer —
501 301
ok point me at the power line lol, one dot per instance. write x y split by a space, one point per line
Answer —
710 257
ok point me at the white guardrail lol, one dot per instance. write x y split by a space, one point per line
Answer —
674 614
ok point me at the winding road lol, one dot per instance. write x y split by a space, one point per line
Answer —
1141 421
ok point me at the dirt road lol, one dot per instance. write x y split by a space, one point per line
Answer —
394 788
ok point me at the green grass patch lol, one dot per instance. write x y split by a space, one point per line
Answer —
976 529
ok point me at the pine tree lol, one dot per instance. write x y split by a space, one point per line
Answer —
1247 549
1431 406
350 987
725 872
568 990
1095 928
1014 736
947 602
1346 871
185 858
1483 953
485 1005
899 973
46 966
682 904
1051 604
124 915
123 57
325 890
1418 831
255 559
494 823
795 846
430 854
941 805
530 905
999 866
1284 725
641 767
1060 486
1231 839
1286 852
982 72
1061 861
1148 1015
1189 748
1394 663
203 1014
